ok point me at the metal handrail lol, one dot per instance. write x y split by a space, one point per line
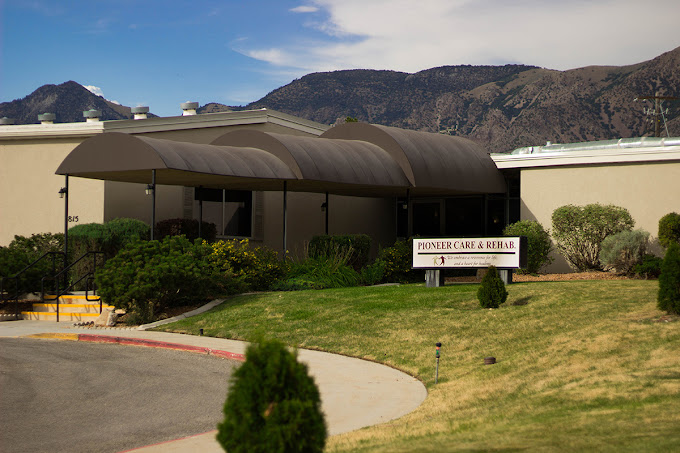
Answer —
87 276
15 277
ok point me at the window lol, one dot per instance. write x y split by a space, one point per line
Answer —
230 210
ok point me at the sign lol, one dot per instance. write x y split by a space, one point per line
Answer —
443 253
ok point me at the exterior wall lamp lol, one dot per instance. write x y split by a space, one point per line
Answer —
324 206
62 192
150 188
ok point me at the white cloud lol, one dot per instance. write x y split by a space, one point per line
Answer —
304 9
94 90
411 36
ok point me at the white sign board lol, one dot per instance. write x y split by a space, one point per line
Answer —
442 253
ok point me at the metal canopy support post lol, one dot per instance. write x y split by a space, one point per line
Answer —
409 221
327 208
200 211
65 192
153 202
285 215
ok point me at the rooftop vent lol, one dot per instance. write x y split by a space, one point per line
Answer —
92 116
47 118
140 112
189 108
4 121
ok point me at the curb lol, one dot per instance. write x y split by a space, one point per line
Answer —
91 338
198 311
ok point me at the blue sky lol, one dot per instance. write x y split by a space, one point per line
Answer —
161 53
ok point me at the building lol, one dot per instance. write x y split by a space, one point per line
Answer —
279 180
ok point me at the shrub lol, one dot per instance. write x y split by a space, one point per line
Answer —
669 229
650 267
273 405
398 261
538 243
259 267
669 281
359 244
23 251
147 277
492 292
186 227
622 251
373 273
580 230
322 272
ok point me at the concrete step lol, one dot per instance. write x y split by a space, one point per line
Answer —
69 308
51 316
71 299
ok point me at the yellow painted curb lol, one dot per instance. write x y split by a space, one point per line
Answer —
54 336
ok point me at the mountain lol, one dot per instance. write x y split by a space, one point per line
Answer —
501 107
67 101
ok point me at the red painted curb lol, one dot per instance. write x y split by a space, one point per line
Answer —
160 344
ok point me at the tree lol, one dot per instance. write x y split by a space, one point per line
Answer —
273 405
669 229
579 231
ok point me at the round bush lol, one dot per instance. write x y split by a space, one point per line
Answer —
669 281
669 229
492 292
622 251
273 405
538 243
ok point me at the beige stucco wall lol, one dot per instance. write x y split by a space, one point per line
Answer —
647 190
29 200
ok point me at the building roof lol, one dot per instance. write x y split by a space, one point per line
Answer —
355 159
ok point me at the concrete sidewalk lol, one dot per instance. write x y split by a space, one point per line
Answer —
355 393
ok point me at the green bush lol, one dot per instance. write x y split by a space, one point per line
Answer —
328 245
579 231
669 229
623 251
398 261
259 267
669 281
326 271
147 277
23 251
538 243
373 273
186 227
273 405
650 267
492 292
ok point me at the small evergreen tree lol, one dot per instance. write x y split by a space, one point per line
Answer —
669 229
669 281
492 292
273 405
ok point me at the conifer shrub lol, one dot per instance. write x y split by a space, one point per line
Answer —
579 231
23 251
538 243
492 292
669 281
650 267
273 405
669 229
621 252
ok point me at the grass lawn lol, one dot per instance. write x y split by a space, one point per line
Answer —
582 365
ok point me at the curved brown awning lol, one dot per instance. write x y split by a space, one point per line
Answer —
338 166
435 164
116 156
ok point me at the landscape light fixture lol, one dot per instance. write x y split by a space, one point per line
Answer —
149 189
62 192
